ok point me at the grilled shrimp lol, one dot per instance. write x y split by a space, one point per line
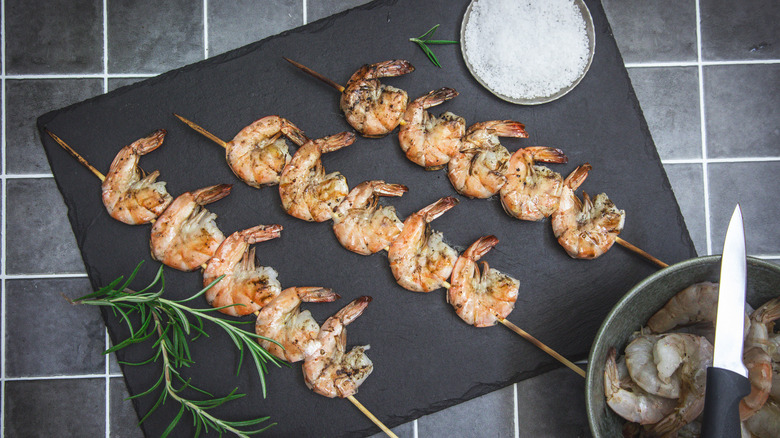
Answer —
757 357
296 331
372 108
364 226
586 229
477 170
629 400
532 192
245 287
258 153
419 258
128 197
328 370
185 235
306 191
427 140
479 298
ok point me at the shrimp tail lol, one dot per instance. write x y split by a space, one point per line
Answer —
210 194
577 176
147 144
481 247
294 133
353 310
437 97
150 178
386 69
384 189
438 208
547 154
509 128
335 142
317 294
262 233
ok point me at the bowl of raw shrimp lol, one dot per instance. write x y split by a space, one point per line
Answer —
680 293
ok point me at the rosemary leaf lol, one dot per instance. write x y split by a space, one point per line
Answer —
423 41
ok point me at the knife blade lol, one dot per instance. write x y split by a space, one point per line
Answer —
727 378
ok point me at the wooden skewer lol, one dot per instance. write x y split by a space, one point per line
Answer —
371 416
205 133
75 154
316 75
640 252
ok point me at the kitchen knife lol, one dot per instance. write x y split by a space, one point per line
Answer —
727 380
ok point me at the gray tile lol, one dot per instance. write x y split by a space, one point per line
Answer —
148 36
405 430
238 23
688 184
316 9
42 408
754 187
491 415
54 36
669 98
115 83
655 31
558 395
39 237
25 101
743 116
742 30
124 420
70 343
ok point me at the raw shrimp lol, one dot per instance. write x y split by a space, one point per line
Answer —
258 153
419 258
696 303
629 400
306 191
480 298
477 170
532 192
296 331
185 235
766 422
757 357
586 229
364 226
654 373
245 287
427 140
128 197
372 108
329 371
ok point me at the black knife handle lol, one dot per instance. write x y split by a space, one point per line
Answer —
724 391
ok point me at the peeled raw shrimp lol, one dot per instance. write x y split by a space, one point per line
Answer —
128 197
479 298
651 369
185 235
258 153
588 228
629 400
427 140
419 258
532 192
296 331
245 287
306 191
372 108
766 422
757 357
328 370
696 303
477 170
364 226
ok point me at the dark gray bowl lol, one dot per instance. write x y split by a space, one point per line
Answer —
639 304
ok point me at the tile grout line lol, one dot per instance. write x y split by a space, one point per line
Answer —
701 62
703 133
3 209
517 410
205 29
106 342
720 160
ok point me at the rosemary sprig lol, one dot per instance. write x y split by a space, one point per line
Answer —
168 320
425 39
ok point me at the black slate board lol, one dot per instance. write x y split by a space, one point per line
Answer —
425 357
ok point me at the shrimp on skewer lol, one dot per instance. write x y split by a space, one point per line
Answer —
372 108
427 140
306 191
259 152
245 288
329 371
532 192
481 298
129 197
364 226
185 235
296 331
419 258
477 170
586 229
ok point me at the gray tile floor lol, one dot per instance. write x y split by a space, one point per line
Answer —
707 74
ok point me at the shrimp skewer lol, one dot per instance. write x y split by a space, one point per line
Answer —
246 288
364 226
185 235
532 192
419 258
427 140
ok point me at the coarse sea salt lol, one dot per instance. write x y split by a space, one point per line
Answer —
526 49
